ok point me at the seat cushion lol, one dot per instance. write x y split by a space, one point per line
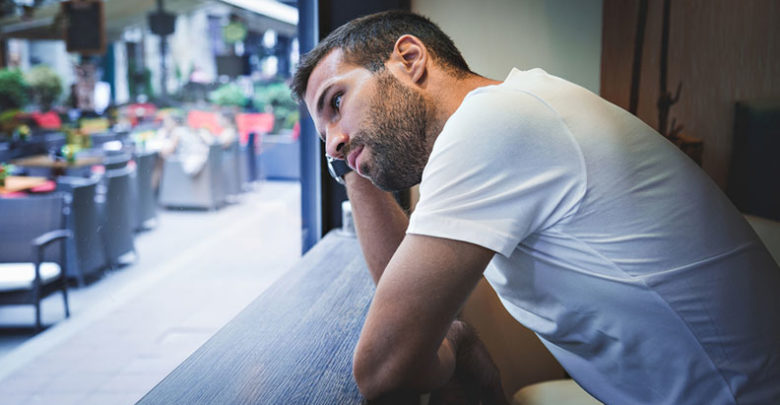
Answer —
557 392
20 276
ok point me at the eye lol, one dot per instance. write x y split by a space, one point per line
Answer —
335 102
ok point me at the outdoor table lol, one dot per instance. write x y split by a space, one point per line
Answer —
47 161
15 184
57 166
292 345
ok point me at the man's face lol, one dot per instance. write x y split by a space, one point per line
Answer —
373 121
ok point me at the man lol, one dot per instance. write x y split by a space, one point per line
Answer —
598 234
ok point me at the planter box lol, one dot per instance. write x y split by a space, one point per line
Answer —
280 157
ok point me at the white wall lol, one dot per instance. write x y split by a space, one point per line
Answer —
561 36
53 54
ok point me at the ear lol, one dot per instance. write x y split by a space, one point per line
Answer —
410 57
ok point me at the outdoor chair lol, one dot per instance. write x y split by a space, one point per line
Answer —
146 201
117 215
31 266
231 169
250 127
6 152
50 140
116 160
87 255
101 138
249 159
202 190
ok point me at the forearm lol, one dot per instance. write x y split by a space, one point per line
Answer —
462 373
379 221
421 374
402 345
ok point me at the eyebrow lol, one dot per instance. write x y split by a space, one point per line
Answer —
321 99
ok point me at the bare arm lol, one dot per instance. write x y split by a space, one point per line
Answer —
382 364
379 220
402 346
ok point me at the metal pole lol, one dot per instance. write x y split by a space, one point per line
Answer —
311 168
163 52
3 52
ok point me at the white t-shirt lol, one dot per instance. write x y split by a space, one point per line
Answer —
626 260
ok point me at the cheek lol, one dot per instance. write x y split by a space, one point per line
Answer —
355 121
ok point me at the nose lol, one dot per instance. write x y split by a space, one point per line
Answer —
335 142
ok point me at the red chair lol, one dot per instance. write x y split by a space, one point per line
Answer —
47 187
296 130
204 119
48 120
259 123
140 112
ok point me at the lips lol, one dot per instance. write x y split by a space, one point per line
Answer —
352 159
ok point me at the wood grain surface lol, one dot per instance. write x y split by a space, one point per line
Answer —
722 51
292 345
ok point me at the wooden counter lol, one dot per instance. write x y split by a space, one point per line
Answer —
292 345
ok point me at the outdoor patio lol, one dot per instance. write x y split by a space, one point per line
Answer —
128 330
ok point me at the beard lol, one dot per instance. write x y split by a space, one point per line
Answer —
396 134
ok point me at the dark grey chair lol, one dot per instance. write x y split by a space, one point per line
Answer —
88 254
101 138
243 162
6 152
203 190
29 271
231 169
118 215
250 157
146 201
116 160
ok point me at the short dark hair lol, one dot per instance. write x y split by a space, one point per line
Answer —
368 41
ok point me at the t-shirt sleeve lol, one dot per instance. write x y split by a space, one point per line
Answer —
504 166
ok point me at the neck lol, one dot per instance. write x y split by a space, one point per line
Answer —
446 93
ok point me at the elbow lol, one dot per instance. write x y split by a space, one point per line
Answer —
374 377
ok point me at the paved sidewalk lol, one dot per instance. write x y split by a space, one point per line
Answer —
128 330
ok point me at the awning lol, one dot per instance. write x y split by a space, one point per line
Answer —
270 14
45 22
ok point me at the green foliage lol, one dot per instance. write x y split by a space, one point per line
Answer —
139 80
9 121
12 90
234 32
291 119
277 98
45 86
228 95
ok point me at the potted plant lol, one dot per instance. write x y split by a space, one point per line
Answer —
3 173
13 95
45 86
276 97
228 95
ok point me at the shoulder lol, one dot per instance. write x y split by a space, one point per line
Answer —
491 113
503 123
503 104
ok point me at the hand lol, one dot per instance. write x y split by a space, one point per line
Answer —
476 379
352 178
396 398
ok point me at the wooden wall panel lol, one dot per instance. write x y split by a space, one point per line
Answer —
722 51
